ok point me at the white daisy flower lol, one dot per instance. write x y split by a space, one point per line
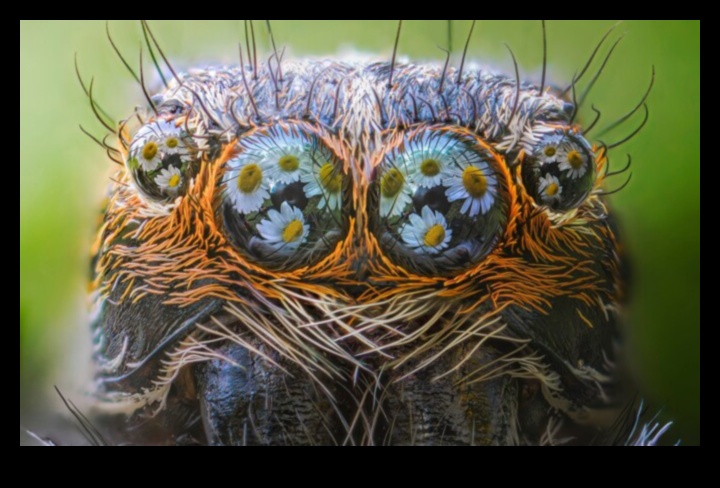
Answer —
475 184
153 142
169 179
285 229
285 164
548 153
325 181
549 187
394 193
428 157
148 155
246 185
172 144
428 233
573 161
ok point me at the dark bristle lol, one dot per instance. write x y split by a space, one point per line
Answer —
635 109
589 88
590 59
117 51
544 62
162 54
152 55
394 55
247 87
517 83
635 132
467 43
272 39
142 84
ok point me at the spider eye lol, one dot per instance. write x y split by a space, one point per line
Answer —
161 161
443 201
283 197
560 172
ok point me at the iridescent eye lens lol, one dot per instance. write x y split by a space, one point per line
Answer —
560 172
162 161
283 198
443 202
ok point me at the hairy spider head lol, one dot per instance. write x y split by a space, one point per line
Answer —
358 252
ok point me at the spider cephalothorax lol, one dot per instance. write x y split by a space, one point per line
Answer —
357 253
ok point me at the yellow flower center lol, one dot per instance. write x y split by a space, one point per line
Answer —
288 163
174 181
149 150
172 142
552 189
474 181
391 183
575 159
293 231
435 236
550 151
250 178
330 178
430 167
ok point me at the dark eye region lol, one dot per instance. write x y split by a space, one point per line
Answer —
560 173
443 201
162 160
283 195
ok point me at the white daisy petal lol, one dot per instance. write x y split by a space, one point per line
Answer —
169 180
572 161
246 185
286 230
549 188
427 234
325 181
475 185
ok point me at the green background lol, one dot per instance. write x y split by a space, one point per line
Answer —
63 174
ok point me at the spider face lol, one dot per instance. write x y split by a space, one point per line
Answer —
317 256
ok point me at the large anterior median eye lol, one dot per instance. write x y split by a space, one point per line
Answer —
162 161
442 201
560 172
283 197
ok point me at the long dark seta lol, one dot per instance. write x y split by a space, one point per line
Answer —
395 48
152 53
462 61
272 39
544 62
635 109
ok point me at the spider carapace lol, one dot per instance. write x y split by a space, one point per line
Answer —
325 252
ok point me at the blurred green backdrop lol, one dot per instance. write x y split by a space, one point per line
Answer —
63 174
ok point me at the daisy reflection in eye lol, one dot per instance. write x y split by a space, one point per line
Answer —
428 233
548 153
475 185
149 156
550 189
169 180
285 164
246 186
285 229
572 161
394 191
327 182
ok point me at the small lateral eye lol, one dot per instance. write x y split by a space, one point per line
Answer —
442 201
162 161
283 195
560 172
